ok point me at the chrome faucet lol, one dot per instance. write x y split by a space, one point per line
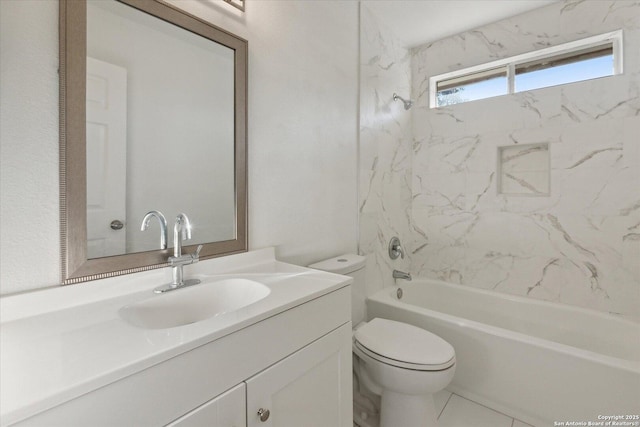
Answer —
397 274
181 228
163 226
181 231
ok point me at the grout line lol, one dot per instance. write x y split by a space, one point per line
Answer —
485 406
445 405
513 420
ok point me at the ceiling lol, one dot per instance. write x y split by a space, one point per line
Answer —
415 22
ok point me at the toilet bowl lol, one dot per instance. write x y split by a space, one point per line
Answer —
403 364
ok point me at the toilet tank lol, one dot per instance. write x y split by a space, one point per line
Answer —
354 266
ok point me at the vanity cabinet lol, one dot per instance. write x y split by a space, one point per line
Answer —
226 410
295 364
310 388
305 389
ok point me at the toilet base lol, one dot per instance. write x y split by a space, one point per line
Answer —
400 410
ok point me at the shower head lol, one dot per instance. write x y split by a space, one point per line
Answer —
407 103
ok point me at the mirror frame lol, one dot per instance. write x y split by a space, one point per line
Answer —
76 267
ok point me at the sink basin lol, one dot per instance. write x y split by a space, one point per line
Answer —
193 304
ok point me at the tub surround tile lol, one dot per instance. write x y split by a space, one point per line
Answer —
386 150
630 145
579 244
523 170
461 412
524 183
607 98
525 158
431 176
441 193
590 146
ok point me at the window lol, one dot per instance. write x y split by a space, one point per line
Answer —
479 85
585 59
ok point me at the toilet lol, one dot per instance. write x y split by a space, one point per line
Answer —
403 364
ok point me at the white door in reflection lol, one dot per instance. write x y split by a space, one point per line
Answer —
106 158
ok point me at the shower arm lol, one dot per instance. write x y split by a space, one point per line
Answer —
407 103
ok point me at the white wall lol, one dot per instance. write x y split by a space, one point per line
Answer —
29 230
303 85
303 106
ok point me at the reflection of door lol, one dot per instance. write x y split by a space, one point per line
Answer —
106 158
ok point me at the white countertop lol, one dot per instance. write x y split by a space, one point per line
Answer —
61 343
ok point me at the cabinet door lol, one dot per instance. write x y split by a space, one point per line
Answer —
310 388
226 410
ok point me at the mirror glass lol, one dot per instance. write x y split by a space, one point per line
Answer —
160 115
153 118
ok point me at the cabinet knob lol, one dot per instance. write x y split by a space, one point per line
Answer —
263 414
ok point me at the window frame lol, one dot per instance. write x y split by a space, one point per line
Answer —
510 64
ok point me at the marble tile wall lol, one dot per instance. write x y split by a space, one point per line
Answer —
385 149
523 170
580 245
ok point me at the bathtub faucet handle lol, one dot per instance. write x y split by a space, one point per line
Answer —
395 248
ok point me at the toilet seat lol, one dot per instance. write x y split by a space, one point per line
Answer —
404 346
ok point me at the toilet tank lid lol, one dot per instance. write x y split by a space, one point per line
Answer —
343 264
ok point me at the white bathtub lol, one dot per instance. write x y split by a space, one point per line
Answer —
536 361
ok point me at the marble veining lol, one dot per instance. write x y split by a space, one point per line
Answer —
432 176
574 147
386 149
524 170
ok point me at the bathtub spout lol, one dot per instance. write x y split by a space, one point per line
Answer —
397 274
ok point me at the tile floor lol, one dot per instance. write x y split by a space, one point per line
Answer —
456 411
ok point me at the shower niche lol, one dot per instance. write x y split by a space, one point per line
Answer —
524 170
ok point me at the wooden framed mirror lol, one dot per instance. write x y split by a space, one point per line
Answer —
153 116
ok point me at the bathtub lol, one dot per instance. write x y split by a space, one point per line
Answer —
536 361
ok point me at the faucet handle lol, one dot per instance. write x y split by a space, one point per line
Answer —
395 249
195 257
197 252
